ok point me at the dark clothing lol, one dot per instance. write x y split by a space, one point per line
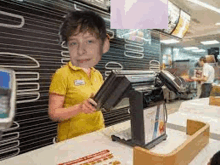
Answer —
206 90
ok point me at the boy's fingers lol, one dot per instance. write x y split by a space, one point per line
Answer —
89 106
92 102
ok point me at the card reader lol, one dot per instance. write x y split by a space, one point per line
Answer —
7 98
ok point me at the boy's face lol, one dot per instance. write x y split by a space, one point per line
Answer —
85 50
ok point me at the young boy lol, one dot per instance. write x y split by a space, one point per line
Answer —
84 33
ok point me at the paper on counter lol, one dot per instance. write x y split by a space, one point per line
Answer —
124 134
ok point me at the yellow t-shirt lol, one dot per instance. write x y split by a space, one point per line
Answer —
73 83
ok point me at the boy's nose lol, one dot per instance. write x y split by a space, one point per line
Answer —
81 49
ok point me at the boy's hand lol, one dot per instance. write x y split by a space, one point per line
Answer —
89 105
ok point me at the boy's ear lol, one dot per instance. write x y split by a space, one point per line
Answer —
106 46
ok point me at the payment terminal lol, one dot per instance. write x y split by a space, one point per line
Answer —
7 98
148 113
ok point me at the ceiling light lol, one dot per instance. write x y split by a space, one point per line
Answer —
209 42
205 5
190 48
217 24
199 50
169 41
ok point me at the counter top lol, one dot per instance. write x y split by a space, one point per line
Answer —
198 109
101 140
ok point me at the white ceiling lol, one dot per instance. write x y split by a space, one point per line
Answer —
202 24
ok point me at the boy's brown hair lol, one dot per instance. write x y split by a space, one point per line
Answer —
82 21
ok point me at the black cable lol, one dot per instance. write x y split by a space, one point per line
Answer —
165 108
160 83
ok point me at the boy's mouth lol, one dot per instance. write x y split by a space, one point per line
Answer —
82 61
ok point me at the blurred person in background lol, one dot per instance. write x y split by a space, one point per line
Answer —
208 76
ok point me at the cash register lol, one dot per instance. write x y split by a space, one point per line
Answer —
7 98
148 114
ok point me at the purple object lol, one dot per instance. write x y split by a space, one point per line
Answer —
139 14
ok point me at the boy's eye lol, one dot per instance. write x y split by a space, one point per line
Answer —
90 41
73 43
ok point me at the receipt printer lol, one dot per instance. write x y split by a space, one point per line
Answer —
7 98
148 117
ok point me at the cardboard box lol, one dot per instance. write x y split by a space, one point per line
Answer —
214 98
183 154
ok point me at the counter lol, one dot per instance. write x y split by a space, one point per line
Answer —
101 140
198 109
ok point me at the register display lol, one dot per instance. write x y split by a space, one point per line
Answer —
183 25
4 97
173 17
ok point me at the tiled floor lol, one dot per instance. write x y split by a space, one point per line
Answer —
173 106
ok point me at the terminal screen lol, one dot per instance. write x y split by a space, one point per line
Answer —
4 94
4 80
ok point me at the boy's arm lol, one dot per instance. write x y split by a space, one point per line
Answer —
58 113
56 110
57 94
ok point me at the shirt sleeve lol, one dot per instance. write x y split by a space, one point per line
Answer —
101 78
205 71
58 83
